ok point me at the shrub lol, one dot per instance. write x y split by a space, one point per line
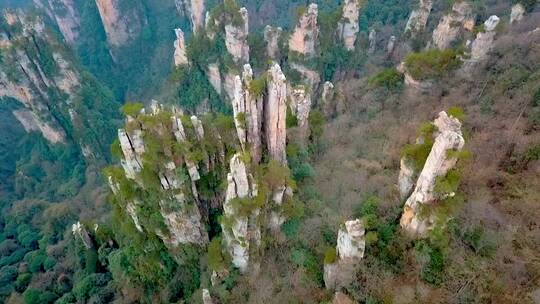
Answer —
290 228
432 262
216 259
330 255
448 183
290 119
132 108
22 281
431 64
390 79
257 86
479 241
456 112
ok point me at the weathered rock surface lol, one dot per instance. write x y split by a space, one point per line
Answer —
517 13
236 39
304 37
238 233
31 122
484 40
195 10
214 76
310 77
327 99
350 250
300 104
80 231
248 112
372 41
120 26
341 298
406 178
350 242
451 25
180 57
206 298
419 17
65 14
183 222
348 25
448 137
391 45
272 36
420 85
275 110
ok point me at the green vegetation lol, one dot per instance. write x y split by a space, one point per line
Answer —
330 255
390 78
432 64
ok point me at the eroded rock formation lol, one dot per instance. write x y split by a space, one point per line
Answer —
120 26
80 231
350 248
372 40
484 40
194 9
214 76
304 37
272 36
275 110
419 17
391 45
406 178
65 14
451 25
236 38
300 104
180 57
348 26
415 220
517 13
237 231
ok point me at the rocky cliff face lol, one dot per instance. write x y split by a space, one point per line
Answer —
195 10
80 232
300 105
180 57
484 40
348 26
120 26
406 178
517 13
239 230
448 137
275 110
372 41
236 38
66 16
24 76
272 36
451 25
304 37
349 250
248 113
419 17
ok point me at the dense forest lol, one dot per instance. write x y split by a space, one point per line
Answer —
258 151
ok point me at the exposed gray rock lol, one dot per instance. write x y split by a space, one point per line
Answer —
327 99
214 76
483 43
391 45
372 41
65 14
80 231
206 298
194 9
448 137
300 105
120 27
348 25
351 242
518 11
406 178
451 25
311 77
183 222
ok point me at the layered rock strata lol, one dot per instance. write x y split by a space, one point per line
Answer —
120 26
275 111
180 57
419 17
236 38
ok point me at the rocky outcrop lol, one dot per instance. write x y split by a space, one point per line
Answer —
120 26
406 179
349 251
180 57
275 110
300 105
348 25
65 14
327 99
484 40
248 112
517 13
448 137
272 36
31 122
372 41
206 298
131 163
419 17
194 9
390 46
451 25
214 76
80 231
183 222
236 38
304 37
237 231
420 85
310 77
